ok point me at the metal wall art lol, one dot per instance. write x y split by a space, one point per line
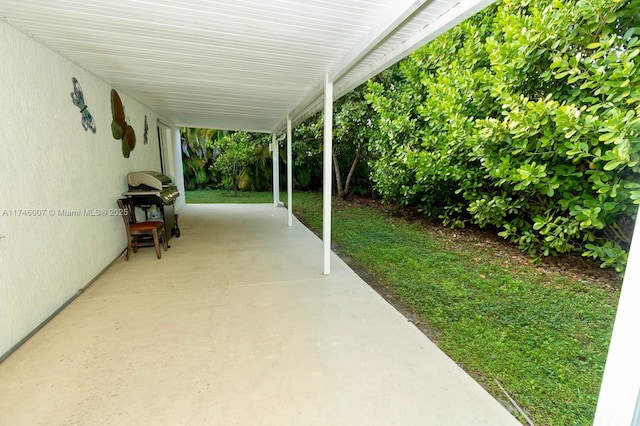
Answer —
120 129
78 100
146 130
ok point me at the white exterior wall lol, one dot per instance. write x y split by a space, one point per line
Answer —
48 161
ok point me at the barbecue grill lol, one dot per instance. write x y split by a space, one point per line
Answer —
148 189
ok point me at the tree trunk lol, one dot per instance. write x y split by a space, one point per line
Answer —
356 160
336 167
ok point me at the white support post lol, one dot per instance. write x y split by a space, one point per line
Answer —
275 152
619 400
327 173
178 171
289 175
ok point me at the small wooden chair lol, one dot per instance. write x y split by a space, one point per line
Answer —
139 233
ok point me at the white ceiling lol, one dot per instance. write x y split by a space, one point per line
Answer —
234 64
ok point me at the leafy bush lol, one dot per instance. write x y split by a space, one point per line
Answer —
217 159
353 127
241 162
525 118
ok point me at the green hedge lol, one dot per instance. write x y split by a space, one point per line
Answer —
525 118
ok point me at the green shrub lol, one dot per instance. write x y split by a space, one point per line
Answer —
525 118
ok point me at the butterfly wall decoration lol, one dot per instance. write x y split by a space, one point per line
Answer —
78 100
146 130
120 129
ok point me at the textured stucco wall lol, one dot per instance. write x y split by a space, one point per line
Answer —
50 163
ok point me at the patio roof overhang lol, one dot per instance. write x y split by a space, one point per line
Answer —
261 65
235 64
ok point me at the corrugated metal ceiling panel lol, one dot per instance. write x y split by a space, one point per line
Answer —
232 64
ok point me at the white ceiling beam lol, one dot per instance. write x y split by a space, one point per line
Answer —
450 19
397 18
340 74
311 97
357 53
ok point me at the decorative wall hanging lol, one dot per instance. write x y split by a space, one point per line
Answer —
146 130
78 100
120 129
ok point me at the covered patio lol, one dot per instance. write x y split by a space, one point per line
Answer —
236 325
240 292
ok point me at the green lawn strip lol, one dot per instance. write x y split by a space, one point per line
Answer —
227 197
542 336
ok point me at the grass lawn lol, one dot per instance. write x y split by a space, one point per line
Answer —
540 331
229 197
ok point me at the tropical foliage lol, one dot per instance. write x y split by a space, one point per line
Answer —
525 118
216 159
197 157
240 162
353 127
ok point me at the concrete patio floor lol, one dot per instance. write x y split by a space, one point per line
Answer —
236 325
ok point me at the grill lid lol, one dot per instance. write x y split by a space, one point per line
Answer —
151 179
